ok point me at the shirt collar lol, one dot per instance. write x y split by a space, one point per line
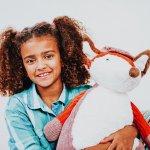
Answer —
35 101
62 97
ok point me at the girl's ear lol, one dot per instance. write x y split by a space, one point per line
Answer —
142 61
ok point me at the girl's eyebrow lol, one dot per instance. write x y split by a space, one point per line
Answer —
33 56
48 51
30 56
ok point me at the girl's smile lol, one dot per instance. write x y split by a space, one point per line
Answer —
43 75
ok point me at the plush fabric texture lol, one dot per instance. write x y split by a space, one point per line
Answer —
65 138
52 130
140 147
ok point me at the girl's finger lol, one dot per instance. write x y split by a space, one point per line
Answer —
120 146
112 146
107 139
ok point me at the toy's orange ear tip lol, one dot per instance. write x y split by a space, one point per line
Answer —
147 65
89 65
86 61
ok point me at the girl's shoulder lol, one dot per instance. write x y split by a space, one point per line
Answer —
81 88
71 93
17 100
77 90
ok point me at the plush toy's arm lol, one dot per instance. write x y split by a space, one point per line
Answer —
53 128
141 124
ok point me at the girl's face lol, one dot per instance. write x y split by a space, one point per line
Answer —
41 59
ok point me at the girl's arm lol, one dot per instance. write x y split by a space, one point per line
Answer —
20 128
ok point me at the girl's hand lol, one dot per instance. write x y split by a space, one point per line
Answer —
123 139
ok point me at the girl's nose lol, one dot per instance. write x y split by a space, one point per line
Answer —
134 72
41 65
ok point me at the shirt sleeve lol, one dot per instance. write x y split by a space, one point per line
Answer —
20 128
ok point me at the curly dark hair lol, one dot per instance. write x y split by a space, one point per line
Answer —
67 31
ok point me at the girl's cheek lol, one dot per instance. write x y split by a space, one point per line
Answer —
51 64
30 69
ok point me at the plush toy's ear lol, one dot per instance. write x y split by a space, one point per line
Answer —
142 61
86 38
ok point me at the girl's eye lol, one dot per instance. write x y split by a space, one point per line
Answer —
30 61
49 56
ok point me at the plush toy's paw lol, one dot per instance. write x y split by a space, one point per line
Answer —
140 147
148 140
52 130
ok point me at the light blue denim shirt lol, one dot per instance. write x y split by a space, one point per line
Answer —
26 115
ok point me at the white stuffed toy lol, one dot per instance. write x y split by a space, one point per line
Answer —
105 108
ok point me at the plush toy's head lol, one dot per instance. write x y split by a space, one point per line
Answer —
117 70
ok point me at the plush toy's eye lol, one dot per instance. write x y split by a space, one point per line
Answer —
107 59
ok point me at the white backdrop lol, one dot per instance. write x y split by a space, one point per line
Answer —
123 24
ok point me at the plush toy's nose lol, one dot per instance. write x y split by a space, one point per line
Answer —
134 72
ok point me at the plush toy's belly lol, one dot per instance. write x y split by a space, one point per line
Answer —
99 116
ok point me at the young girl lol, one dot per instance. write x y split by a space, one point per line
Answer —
42 67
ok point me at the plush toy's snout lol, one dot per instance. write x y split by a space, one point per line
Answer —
134 72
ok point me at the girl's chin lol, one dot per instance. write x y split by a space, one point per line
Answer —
44 84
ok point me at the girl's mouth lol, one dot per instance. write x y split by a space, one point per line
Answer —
43 75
